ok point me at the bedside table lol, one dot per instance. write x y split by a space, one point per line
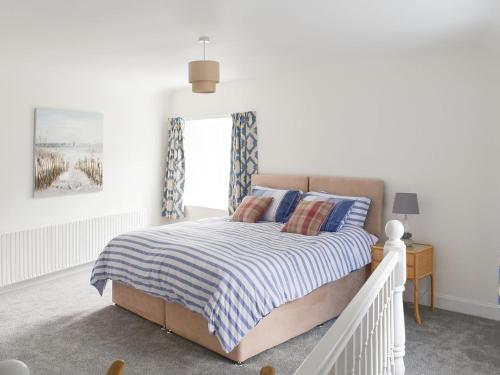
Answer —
419 264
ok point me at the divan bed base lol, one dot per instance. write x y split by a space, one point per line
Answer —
283 323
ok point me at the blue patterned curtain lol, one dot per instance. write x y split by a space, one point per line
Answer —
244 157
173 191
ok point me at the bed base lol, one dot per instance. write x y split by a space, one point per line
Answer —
283 323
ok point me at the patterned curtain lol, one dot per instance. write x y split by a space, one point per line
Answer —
244 157
173 191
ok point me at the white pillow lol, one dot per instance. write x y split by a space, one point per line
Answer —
284 202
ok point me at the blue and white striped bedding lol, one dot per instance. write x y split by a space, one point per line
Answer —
231 273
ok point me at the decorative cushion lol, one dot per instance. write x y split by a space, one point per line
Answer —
308 217
337 217
251 209
284 201
359 210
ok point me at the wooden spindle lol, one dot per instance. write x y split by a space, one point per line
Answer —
380 333
366 337
354 359
391 329
386 326
372 330
376 333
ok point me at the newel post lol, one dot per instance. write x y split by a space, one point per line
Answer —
394 231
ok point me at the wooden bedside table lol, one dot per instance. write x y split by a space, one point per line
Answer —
419 264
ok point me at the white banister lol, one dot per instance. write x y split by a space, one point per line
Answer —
369 336
394 230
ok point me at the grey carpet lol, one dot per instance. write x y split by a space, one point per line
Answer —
64 327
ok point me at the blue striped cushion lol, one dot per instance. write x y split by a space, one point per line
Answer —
358 212
284 202
337 217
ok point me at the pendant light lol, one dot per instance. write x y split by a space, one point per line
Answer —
204 74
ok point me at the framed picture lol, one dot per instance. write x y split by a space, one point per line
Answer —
68 152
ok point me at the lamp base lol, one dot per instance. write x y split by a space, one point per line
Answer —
407 239
408 242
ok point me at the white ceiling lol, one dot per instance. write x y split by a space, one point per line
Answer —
152 40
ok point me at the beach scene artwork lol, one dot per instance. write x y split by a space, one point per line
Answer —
68 152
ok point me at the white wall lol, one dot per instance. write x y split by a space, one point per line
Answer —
134 140
425 124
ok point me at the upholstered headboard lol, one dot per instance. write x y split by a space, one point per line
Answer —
277 181
366 187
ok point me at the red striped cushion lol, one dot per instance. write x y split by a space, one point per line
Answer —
308 217
251 209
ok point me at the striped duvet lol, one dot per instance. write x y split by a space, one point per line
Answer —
231 273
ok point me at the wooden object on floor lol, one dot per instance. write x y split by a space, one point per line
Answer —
419 264
267 370
117 368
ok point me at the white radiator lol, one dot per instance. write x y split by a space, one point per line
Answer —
36 252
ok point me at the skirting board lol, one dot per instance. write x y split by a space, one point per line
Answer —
467 306
87 267
457 304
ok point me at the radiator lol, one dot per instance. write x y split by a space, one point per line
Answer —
35 252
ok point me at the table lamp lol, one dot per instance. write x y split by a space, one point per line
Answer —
406 204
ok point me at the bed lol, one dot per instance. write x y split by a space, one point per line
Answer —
239 319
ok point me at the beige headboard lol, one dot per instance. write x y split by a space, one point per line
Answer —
361 187
366 187
277 181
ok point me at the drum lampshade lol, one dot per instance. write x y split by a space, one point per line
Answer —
204 75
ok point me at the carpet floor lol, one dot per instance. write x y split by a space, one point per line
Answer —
63 326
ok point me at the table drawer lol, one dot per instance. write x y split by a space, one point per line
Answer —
410 271
378 255
410 260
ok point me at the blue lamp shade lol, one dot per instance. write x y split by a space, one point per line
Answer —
405 203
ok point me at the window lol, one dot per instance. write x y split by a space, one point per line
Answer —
207 150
